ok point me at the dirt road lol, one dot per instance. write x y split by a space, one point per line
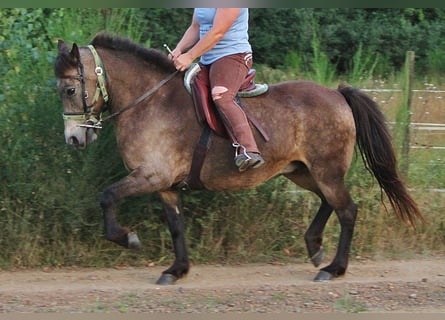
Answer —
369 286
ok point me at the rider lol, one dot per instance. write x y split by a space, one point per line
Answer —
219 36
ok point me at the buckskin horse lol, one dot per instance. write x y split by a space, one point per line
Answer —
312 132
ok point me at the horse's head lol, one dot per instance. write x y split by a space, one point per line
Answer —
78 72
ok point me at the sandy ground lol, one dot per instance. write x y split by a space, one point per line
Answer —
369 286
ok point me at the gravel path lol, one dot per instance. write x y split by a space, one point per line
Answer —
369 286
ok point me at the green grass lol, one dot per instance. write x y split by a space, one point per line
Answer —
348 304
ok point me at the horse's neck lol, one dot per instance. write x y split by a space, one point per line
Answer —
145 93
128 80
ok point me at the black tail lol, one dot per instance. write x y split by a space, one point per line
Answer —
375 144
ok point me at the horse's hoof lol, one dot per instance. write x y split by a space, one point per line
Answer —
133 241
318 258
166 279
323 276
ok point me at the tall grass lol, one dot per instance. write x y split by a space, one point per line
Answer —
363 65
323 71
435 61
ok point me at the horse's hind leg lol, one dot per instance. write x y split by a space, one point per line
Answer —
333 195
173 212
314 234
338 198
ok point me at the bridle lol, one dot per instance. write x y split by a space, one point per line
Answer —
92 117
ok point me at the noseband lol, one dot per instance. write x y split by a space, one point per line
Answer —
89 114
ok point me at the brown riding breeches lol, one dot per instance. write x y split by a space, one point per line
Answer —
226 76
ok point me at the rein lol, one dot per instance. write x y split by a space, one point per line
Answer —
142 97
101 88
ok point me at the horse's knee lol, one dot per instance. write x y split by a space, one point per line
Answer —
113 231
107 199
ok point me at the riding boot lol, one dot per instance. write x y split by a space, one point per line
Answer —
247 153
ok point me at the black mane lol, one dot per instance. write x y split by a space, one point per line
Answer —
114 42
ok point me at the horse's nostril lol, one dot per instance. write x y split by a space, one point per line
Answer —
73 141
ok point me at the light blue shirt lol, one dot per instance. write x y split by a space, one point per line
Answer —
236 39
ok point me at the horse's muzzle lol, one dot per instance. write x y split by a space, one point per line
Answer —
79 137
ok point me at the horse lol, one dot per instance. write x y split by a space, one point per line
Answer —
313 133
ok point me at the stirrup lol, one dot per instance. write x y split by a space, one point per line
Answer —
247 160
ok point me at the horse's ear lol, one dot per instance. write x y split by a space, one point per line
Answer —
75 52
61 45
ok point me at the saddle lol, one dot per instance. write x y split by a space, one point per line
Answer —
196 81
197 84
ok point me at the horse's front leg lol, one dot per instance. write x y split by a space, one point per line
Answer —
173 211
138 182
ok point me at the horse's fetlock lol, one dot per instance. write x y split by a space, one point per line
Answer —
118 236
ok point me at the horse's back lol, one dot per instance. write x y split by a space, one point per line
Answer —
303 114
307 123
303 94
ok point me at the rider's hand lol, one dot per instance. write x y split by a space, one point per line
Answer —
183 61
174 54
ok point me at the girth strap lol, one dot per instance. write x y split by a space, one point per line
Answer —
193 181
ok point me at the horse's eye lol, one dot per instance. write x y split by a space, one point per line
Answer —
70 91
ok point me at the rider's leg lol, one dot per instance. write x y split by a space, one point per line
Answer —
226 76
